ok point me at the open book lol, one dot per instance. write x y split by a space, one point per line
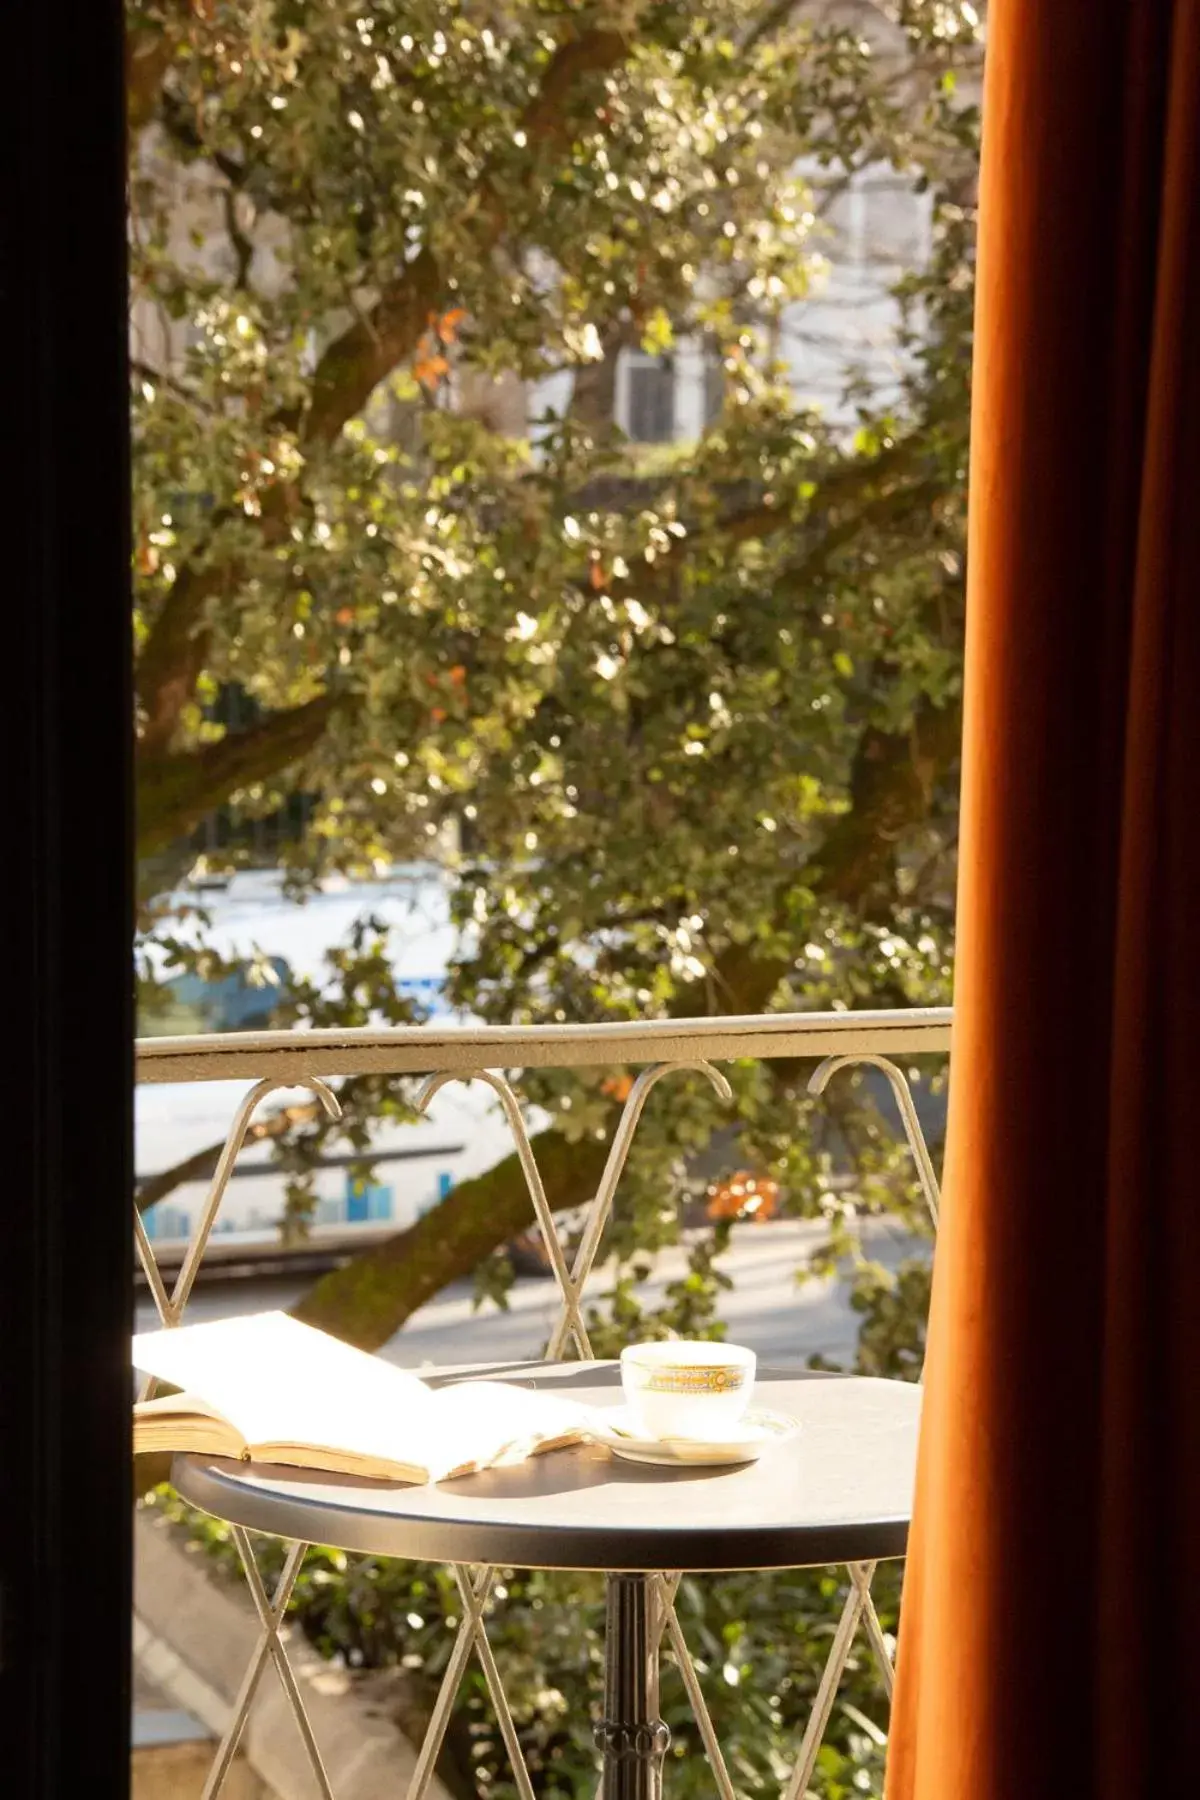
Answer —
268 1389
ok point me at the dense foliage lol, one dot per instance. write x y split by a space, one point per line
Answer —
335 212
690 712
694 710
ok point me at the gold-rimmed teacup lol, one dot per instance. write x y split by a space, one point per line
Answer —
687 1388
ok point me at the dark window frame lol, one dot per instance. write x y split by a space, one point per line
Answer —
66 732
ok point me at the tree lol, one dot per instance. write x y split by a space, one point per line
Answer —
741 651
696 707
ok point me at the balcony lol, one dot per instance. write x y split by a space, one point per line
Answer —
752 1739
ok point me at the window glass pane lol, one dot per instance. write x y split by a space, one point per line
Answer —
651 402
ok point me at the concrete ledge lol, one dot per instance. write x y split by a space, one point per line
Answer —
195 1632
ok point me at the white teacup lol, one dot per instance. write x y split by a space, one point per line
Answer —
687 1388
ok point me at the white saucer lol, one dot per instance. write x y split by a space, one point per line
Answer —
747 1440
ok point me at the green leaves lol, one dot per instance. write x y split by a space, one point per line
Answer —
690 708
759 1642
324 191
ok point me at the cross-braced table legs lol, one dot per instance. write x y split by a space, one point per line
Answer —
271 1610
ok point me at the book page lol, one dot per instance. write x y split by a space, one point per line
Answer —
283 1385
278 1381
484 1423
183 1422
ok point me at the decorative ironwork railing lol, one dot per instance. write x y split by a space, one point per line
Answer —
659 1048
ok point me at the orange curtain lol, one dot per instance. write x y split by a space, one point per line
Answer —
1050 1644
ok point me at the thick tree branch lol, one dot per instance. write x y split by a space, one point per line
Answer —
594 388
148 55
891 787
843 484
772 19
357 361
547 120
369 1299
177 647
350 369
176 790
201 1165
175 651
877 512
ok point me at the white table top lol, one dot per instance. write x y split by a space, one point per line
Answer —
839 1491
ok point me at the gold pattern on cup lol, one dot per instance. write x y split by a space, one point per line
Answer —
695 1380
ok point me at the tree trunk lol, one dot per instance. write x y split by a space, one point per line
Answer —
369 1299
176 790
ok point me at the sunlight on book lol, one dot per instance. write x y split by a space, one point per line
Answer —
268 1389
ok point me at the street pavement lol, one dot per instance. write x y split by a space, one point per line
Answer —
767 1308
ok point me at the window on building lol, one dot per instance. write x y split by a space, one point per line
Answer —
650 400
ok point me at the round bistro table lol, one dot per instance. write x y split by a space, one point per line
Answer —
838 1491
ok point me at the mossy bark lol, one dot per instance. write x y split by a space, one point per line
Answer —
370 1298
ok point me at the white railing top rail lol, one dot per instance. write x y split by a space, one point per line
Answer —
425 1049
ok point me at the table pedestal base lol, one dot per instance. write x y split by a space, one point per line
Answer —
631 1736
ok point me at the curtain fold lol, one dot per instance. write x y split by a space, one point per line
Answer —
1050 1641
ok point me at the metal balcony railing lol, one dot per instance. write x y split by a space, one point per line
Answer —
659 1049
